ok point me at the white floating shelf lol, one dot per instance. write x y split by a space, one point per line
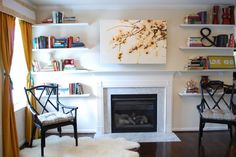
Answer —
183 93
60 24
207 25
208 70
61 72
71 96
207 48
61 49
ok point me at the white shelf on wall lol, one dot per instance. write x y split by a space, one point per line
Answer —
207 70
60 24
61 72
71 95
183 93
230 49
46 50
207 25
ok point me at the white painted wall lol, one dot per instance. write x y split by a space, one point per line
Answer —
185 116
184 113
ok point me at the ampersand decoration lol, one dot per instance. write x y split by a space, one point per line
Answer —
206 41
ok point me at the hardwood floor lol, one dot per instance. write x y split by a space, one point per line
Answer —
214 144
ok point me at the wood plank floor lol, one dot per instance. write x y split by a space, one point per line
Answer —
214 144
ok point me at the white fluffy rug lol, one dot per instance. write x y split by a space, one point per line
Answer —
87 147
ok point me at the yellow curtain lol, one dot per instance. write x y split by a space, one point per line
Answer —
9 132
26 31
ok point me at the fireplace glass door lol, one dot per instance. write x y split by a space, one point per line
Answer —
134 113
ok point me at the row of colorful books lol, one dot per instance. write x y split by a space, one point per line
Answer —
43 42
57 65
76 88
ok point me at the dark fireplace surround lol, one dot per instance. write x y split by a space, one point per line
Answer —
133 113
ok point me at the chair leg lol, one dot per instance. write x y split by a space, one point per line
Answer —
42 142
75 133
201 126
230 131
32 135
59 130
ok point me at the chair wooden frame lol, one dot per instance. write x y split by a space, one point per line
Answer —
216 91
59 107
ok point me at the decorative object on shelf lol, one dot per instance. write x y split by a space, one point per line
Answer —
221 62
133 41
231 40
226 15
206 41
215 14
220 40
232 16
204 79
191 87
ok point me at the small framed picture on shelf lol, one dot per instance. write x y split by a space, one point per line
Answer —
221 62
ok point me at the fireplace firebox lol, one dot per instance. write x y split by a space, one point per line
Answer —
134 113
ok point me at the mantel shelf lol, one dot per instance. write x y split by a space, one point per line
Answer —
60 24
207 25
61 49
230 49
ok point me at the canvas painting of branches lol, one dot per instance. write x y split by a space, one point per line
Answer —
133 41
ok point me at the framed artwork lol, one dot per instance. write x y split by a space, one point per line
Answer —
221 62
133 41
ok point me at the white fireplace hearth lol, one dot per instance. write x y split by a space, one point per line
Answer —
160 84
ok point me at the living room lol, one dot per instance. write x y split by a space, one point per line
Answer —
168 77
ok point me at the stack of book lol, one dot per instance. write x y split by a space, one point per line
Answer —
194 42
74 42
69 19
69 64
75 88
198 63
60 43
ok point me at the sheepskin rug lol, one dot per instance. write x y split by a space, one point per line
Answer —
87 147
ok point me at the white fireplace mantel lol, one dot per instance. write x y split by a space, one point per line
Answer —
159 83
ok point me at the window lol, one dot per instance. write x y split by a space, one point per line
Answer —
18 70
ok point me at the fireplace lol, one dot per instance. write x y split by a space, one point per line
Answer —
160 85
134 113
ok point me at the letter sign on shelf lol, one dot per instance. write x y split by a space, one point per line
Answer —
221 62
